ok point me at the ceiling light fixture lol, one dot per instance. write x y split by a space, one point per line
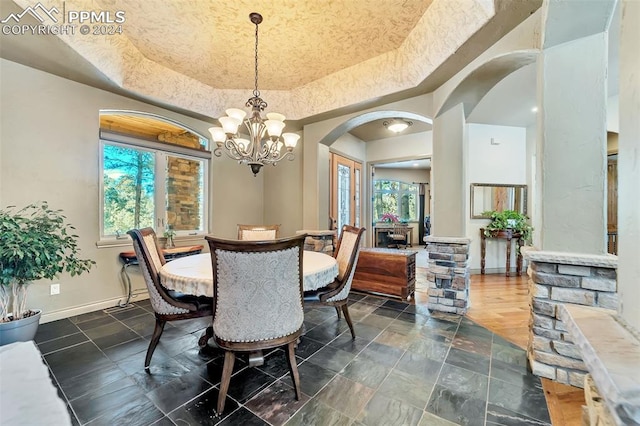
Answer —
397 125
265 141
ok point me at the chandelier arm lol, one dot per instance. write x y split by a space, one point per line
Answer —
287 154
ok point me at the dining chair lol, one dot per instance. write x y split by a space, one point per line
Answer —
258 232
168 305
336 293
257 288
397 237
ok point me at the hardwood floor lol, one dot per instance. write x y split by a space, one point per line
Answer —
501 304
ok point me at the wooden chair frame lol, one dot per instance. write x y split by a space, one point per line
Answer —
323 295
198 306
231 348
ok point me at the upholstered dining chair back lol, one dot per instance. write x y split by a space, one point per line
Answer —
167 305
336 294
151 259
258 232
257 290
347 252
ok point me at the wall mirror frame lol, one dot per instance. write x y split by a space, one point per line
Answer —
498 197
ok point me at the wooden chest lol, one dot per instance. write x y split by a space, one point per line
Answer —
387 271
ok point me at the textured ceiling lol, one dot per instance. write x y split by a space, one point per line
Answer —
299 41
318 58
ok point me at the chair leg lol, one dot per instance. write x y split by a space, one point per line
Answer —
345 310
229 360
293 369
338 312
155 338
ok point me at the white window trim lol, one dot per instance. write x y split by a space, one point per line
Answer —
164 149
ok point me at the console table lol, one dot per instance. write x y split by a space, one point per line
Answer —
509 235
386 271
129 258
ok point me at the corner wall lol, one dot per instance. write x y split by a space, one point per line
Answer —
50 151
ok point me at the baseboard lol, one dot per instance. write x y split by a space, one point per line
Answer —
90 307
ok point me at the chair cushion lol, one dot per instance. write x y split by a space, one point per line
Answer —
201 302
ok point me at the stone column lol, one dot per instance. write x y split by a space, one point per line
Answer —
320 241
448 274
555 279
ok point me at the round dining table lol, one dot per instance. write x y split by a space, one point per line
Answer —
194 275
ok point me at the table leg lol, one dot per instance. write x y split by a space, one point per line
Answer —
256 359
519 243
483 250
127 282
508 265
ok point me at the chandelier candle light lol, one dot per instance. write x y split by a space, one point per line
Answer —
265 141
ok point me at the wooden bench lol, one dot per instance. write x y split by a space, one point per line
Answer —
386 271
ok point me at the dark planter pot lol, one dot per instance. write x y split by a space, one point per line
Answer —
21 330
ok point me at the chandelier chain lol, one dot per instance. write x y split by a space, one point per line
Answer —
256 92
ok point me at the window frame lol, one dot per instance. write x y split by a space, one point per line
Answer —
161 151
400 192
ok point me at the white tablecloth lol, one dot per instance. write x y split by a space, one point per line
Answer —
193 274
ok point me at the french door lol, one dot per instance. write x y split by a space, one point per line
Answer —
346 191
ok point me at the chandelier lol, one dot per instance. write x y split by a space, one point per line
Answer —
265 142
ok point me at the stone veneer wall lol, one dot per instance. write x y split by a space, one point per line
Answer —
321 241
448 274
183 189
558 278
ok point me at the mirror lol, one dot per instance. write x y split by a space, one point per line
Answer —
498 197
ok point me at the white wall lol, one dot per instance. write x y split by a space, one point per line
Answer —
402 147
504 163
351 147
283 193
50 151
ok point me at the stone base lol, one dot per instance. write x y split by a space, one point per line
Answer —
448 274
557 279
320 241
597 413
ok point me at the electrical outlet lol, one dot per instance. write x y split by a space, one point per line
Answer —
55 289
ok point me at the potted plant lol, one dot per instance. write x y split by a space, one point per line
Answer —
508 219
37 243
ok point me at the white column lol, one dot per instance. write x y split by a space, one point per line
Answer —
629 165
571 148
448 174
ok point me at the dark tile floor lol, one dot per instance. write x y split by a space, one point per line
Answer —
406 367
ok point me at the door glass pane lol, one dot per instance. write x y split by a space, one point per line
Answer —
128 189
356 197
185 190
344 198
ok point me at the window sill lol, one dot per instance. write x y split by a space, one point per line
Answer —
126 242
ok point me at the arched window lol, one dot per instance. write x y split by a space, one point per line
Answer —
154 174
395 197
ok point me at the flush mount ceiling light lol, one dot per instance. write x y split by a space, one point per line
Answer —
266 144
397 125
